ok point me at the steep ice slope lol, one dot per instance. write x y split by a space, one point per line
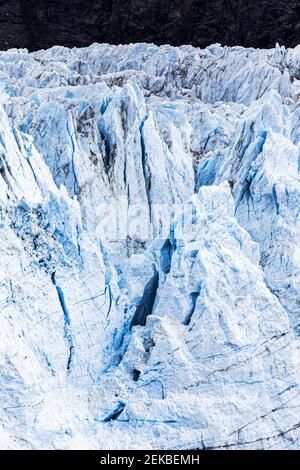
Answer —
149 248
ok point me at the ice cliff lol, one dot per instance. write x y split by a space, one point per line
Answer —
149 248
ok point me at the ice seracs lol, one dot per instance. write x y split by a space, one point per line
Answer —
149 257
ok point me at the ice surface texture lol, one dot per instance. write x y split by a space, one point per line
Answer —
130 341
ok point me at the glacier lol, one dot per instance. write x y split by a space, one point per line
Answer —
149 248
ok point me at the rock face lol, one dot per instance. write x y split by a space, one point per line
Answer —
45 23
150 272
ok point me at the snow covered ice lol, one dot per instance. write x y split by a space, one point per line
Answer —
121 326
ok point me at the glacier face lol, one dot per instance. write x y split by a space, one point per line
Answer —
150 273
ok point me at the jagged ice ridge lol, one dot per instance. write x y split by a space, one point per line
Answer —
150 342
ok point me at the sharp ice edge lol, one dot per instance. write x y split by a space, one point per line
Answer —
188 343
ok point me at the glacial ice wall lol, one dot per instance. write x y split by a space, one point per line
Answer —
152 333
